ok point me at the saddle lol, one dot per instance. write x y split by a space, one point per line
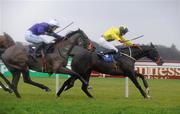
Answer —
48 48
111 58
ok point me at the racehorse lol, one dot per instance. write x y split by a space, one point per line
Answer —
18 60
125 67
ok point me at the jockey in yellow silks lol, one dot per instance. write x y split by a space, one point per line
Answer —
114 33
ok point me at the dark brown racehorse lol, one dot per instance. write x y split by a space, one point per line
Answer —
18 61
85 62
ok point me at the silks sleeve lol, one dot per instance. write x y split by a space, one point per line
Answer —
116 37
126 42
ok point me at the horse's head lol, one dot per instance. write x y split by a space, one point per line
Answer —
153 54
82 39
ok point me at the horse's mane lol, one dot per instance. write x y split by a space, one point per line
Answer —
143 47
67 36
127 47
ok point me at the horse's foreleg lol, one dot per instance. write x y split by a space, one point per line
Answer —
85 87
144 82
65 70
147 90
28 80
136 83
143 79
71 83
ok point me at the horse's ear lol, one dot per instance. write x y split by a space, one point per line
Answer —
152 45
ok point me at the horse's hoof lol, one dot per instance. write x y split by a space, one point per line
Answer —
57 95
18 96
147 97
147 90
47 90
10 91
90 87
91 97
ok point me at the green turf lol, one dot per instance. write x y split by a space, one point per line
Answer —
108 93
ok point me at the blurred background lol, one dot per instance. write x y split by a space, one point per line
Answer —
157 20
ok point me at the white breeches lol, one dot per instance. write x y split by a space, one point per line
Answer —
30 37
102 42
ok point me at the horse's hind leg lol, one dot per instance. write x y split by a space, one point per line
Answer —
15 80
28 80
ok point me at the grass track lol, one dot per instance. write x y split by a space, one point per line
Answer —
108 93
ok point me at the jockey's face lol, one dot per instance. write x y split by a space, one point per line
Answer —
54 28
121 34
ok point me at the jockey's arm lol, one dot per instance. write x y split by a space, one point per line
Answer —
122 39
126 42
54 35
41 30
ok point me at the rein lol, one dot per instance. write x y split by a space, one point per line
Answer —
158 60
130 54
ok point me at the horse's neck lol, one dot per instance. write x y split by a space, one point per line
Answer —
64 47
138 53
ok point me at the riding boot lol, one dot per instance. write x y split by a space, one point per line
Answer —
39 47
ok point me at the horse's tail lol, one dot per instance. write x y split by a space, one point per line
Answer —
9 40
6 41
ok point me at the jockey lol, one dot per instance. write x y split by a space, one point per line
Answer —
112 34
33 34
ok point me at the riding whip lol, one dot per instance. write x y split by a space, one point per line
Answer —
65 27
133 38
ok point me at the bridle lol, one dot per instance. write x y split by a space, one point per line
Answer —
158 60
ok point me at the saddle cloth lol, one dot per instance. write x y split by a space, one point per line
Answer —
111 57
107 58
